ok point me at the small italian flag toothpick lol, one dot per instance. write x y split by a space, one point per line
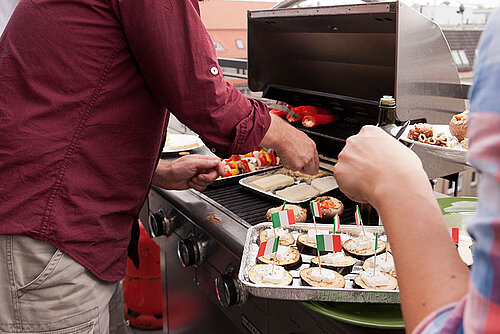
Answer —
283 218
328 242
336 224
454 232
268 247
357 216
316 209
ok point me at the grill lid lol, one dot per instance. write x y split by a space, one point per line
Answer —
353 55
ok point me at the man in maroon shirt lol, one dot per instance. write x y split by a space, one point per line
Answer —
86 87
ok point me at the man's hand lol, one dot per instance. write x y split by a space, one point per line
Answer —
296 150
191 171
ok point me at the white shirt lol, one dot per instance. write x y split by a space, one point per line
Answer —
6 9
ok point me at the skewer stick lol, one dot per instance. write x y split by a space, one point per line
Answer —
319 257
375 256
358 214
386 254
362 226
275 259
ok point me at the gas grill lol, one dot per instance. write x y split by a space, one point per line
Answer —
343 58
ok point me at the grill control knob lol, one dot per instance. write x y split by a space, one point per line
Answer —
229 290
159 223
188 252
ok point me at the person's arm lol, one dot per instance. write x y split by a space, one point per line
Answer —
375 168
191 171
294 147
178 60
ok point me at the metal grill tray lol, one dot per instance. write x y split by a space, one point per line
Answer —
247 183
296 291
235 178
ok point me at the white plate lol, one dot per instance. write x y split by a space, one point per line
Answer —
455 154
181 143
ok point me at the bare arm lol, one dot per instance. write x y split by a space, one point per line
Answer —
375 168
294 147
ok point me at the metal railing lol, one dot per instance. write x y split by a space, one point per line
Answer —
236 64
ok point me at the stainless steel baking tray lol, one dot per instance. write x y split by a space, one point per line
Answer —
247 183
296 291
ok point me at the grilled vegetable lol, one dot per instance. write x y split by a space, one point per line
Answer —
312 120
303 111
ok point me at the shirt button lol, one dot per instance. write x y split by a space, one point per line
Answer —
214 70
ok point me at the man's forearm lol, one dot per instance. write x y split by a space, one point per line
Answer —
296 150
160 176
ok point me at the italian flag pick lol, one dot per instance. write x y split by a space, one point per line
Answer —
376 243
316 209
329 242
336 224
283 218
268 247
454 232
357 216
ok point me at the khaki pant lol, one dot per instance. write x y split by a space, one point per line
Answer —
43 290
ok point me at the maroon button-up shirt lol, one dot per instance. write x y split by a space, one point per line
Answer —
85 86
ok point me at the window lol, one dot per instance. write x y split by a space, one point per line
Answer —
451 186
460 58
219 46
463 56
473 179
239 44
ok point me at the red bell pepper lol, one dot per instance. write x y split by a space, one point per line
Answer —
246 166
313 120
263 160
303 111
278 112
273 158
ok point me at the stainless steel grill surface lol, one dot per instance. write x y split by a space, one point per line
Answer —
252 207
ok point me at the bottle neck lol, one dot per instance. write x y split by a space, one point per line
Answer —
386 115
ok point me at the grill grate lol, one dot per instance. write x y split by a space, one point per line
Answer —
252 207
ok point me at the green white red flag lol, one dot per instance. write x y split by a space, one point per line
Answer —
454 232
336 224
357 216
329 242
268 247
316 209
283 218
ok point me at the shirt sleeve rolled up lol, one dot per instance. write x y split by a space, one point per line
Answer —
176 56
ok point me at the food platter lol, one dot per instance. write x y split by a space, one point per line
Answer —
176 143
455 154
277 193
296 291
